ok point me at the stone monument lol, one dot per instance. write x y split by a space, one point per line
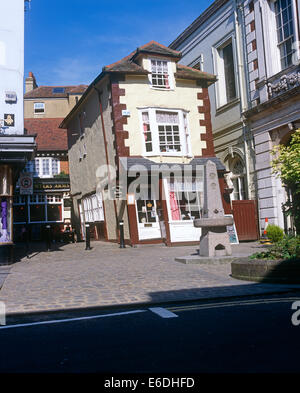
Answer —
214 240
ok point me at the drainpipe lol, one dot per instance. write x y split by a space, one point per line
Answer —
243 75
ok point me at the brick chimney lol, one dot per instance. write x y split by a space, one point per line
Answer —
30 83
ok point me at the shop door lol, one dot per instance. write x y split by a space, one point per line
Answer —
148 221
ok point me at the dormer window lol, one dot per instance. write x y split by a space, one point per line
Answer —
160 75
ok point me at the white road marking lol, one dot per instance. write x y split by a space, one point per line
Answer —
231 304
162 312
69 319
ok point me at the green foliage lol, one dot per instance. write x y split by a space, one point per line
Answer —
61 175
286 165
274 233
288 248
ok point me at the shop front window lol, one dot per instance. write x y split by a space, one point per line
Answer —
5 204
186 199
42 208
146 211
54 212
19 209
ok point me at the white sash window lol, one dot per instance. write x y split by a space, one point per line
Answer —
165 132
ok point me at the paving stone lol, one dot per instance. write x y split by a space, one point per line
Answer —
108 275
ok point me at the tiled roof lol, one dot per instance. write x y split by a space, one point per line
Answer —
49 136
185 72
157 48
129 66
47 91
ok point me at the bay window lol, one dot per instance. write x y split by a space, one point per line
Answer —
165 132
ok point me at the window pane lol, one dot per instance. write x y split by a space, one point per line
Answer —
46 166
229 72
37 213
54 212
19 213
160 77
54 166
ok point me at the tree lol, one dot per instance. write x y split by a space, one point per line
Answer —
286 165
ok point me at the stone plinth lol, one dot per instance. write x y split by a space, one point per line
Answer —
214 240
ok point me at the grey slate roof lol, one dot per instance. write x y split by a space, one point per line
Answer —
144 163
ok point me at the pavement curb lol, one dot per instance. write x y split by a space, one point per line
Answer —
147 304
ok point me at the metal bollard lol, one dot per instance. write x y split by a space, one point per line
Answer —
87 237
122 242
48 237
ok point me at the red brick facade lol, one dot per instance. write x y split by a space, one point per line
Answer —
119 120
208 135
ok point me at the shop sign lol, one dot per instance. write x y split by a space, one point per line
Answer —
9 120
26 184
10 96
43 186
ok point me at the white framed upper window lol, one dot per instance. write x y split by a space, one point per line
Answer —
93 208
225 64
161 74
280 34
165 132
43 167
39 107
285 30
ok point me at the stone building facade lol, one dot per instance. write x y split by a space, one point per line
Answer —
252 47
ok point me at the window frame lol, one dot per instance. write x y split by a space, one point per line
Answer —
32 167
219 70
40 112
90 211
270 35
184 137
35 199
197 187
293 36
170 74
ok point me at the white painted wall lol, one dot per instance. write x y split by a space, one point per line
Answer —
12 61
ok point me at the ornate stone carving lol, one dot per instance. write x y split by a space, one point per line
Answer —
285 83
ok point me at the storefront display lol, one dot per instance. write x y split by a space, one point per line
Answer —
5 205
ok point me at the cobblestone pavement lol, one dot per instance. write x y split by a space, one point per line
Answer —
71 277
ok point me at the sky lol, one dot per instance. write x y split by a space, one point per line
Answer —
67 42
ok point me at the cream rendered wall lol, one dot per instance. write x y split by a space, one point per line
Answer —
57 107
138 94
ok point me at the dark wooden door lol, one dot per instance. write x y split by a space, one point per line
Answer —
245 218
